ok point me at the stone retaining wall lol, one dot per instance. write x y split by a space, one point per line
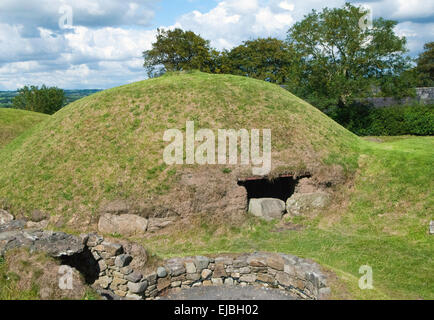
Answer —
282 271
112 267
423 96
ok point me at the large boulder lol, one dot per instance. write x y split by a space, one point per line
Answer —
126 224
5 217
267 208
55 244
301 203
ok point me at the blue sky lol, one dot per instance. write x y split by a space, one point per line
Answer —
104 41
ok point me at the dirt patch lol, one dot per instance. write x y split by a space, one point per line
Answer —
287 226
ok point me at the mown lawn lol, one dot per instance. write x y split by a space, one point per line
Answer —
384 225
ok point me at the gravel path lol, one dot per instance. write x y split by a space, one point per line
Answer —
227 293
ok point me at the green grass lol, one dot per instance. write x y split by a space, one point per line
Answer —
110 145
8 285
385 225
14 122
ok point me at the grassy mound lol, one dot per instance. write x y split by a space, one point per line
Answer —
382 221
110 145
14 122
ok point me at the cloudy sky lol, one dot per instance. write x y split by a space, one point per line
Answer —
77 44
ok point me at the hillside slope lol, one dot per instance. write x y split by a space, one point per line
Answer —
110 146
14 122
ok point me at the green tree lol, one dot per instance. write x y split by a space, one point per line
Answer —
45 100
178 50
267 59
425 66
342 60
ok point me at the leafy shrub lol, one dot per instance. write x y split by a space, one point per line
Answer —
389 121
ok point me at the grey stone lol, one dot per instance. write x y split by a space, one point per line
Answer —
13 225
126 270
245 270
96 256
190 267
193 276
161 272
250 278
151 278
112 249
102 265
138 287
217 281
94 240
126 224
201 263
5 217
205 273
104 282
431 227
134 277
240 262
84 237
176 269
123 260
267 208
301 203
37 225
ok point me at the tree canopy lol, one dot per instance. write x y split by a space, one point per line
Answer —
330 58
178 50
44 100
425 66
342 60
267 59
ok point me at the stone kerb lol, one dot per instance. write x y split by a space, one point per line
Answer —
281 271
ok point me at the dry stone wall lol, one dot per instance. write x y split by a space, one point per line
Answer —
281 271
110 267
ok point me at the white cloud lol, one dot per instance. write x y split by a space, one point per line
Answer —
104 48
417 34
90 13
233 21
101 57
403 9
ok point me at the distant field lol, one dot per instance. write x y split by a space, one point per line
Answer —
71 96
13 122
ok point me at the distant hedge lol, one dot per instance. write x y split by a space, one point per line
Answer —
389 121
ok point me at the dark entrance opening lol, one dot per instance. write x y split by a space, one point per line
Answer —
279 188
85 263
